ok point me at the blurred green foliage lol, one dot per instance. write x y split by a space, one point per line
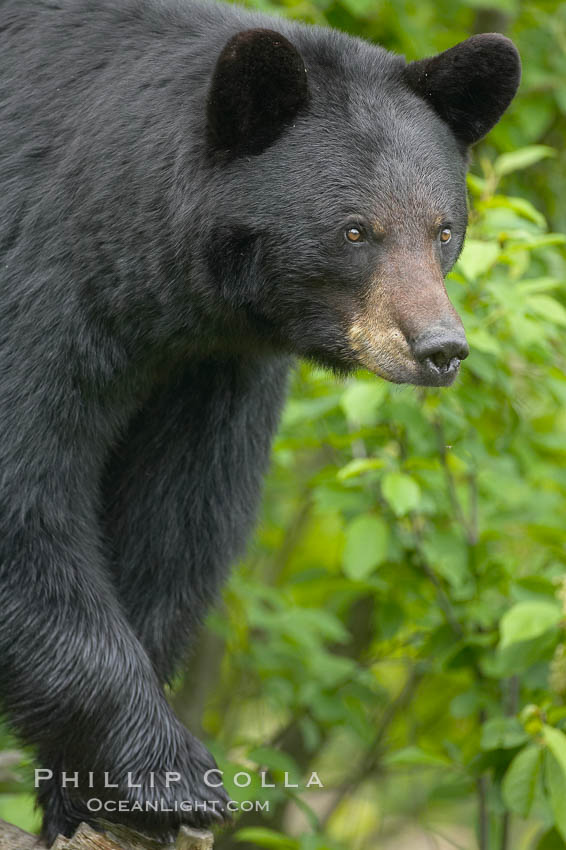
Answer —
399 624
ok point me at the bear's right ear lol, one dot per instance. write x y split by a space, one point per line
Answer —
470 85
258 87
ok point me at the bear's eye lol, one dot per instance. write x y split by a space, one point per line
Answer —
354 234
445 235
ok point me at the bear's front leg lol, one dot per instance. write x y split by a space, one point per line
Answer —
78 685
181 492
75 680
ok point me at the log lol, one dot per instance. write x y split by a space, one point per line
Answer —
115 838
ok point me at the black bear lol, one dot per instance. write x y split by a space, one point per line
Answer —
190 196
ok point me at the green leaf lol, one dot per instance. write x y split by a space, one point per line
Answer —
482 340
448 551
548 308
477 257
556 743
416 756
531 243
503 733
367 538
466 704
299 411
476 185
402 493
556 785
508 6
521 779
266 838
528 620
521 206
361 401
358 466
519 657
359 7
539 284
522 158
275 760
551 840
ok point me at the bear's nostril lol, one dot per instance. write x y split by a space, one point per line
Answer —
442 360
441 348
442 363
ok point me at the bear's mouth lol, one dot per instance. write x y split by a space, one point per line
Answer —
420 374
394 360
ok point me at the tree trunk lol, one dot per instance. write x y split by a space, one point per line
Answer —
117 838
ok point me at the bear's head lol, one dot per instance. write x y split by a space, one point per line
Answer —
338 174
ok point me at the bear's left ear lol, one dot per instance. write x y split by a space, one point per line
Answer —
258 87
470 85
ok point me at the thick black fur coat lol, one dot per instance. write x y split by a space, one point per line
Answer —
190 195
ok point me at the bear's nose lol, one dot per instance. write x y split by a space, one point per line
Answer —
441 348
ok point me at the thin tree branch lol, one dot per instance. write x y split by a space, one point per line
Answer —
371 760
511 704
483 822
451 486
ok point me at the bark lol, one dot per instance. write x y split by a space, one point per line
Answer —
117 838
